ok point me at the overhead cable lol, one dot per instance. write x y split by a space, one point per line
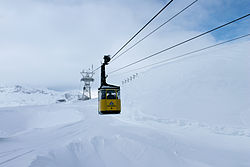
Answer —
142 28
165 61
181 43
155 30
138 31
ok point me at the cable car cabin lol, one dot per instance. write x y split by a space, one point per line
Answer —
109 99
108 95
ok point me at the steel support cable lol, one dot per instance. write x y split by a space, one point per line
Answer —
96 69
139 31
183 42
165 61
142 28
155 30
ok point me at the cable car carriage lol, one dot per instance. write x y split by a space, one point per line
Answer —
108 95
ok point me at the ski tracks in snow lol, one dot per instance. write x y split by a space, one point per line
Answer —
15 157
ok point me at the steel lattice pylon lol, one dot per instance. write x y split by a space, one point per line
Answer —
87 78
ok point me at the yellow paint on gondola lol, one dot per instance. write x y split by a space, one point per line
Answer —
109 105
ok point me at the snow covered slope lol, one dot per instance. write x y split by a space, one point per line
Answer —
74 134
212 87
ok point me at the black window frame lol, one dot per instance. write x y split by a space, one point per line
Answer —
103 94
111 95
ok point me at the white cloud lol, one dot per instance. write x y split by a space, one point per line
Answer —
47 43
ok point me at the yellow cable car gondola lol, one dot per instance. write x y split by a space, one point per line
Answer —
108 95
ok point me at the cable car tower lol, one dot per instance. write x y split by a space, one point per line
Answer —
87 78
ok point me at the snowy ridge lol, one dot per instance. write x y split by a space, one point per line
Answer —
17 95
24 90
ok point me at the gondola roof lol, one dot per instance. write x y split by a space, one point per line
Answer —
108 86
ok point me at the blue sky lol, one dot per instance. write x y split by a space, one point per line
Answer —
47 43
217 12
227 10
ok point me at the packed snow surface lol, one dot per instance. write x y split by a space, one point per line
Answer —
63 135
197 115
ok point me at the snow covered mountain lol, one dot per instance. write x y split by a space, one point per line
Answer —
22 95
